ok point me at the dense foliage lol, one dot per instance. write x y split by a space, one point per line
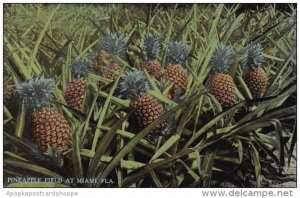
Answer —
204 145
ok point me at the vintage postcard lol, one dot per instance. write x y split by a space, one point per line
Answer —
149 95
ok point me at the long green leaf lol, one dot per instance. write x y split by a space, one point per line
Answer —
31 167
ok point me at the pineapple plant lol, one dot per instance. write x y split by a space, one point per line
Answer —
255 77
49 127
152 47
112 45
145 107
75 90
221 84
163 86
176 55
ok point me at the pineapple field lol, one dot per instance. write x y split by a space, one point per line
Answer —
149 95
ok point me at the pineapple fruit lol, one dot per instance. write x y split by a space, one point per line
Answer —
221 84
152 47
255 77
112 45
177 53
145 108
49 127
76 89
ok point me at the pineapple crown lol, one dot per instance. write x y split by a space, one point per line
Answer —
253 55
177 52
35 93
222 58
55 156
133 83
81 67
152 46
114 44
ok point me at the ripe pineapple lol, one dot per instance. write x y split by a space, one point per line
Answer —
255 77
109 74
49 127
75 90
112 44
152 47
221 84
177 53
145 108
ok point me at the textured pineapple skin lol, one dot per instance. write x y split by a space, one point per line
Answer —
110 75
50 128
146 109
177 75
153 67
223 88
257 81
75 92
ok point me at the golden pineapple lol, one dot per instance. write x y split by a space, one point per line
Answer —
177 53
153 67
146 110
221 84
109 74
152 47
177 75
50 129
145 107
75 90
255 77
112 45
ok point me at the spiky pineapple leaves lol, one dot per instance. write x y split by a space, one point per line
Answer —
35 161
203 26
129 146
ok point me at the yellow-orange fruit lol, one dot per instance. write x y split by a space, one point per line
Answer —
50 128
153 67
146 109
108 74
177 75
75 92
223 88
257 81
